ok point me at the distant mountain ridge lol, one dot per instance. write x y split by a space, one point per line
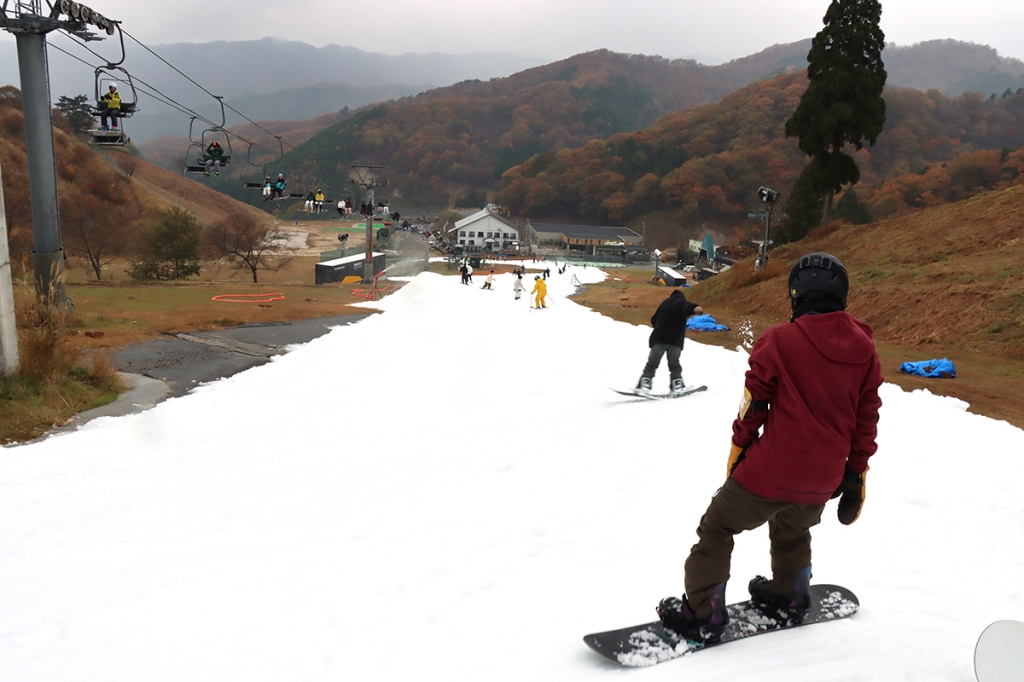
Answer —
278 70
274 79
449 141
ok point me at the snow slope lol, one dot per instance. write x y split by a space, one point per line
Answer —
466 504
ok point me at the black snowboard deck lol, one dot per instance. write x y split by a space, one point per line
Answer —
651 643
662 396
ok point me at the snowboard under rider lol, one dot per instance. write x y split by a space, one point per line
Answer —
813 387
669 322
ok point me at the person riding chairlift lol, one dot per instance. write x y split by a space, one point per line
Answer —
213 159
278 188
110 108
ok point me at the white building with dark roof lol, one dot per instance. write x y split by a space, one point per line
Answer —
485 230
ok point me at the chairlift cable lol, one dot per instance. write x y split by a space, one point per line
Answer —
165 99
188 78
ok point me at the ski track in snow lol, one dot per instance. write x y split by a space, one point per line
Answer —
463 498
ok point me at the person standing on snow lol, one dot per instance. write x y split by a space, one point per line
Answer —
489 281
540 288
669 322
820 375
517 286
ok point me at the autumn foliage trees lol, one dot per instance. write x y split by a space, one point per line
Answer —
98 208
703 165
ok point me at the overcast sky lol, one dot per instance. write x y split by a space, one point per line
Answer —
718 30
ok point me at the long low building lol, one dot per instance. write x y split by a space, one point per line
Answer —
348 269
583 237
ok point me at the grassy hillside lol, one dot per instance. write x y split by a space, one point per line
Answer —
943 282
107 196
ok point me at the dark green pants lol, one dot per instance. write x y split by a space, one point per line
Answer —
733 510
675 370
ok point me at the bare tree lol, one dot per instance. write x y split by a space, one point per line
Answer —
97 230
129 164
246 240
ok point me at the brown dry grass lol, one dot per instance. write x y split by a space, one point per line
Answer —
947 282
55 379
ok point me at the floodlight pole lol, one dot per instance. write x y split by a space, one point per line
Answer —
30 25
368 182
762 262
368 263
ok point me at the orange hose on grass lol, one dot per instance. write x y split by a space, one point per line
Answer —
249 298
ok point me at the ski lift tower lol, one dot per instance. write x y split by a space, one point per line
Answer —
30 21
368 178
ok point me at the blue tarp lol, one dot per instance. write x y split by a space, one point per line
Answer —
704 323
942 369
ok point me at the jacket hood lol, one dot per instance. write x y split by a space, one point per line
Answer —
838 336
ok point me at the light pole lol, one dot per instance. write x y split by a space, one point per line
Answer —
26 20
769 197
368 178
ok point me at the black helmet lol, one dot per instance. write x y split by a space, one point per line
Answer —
818 276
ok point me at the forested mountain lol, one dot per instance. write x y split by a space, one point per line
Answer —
447 142
702 166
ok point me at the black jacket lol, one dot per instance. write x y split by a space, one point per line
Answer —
669 320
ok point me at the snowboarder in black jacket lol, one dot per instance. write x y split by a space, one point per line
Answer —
669 322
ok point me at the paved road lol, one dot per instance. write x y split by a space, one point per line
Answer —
184 361
157 370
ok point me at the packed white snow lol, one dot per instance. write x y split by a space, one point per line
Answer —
449 490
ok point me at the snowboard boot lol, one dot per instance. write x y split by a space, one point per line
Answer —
677 615
677 387
644 387
790 607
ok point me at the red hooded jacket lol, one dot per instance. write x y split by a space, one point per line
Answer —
813 386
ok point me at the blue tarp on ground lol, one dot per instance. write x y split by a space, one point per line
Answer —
704 323
941 369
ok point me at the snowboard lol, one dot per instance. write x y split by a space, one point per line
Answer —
662 396
651 643
999 655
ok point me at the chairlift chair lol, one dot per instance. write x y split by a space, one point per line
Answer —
250 181
106 76
207 137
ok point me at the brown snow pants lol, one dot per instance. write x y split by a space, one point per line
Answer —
733 510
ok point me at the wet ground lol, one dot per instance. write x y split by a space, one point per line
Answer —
171 367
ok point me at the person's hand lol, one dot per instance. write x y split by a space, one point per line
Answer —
736 455
851 493
698 310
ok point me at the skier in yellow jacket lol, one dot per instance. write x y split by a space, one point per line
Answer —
541 289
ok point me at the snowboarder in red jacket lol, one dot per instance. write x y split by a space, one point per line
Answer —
812 387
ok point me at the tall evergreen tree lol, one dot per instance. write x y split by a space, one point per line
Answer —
843 103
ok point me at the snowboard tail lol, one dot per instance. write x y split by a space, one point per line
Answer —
652 643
